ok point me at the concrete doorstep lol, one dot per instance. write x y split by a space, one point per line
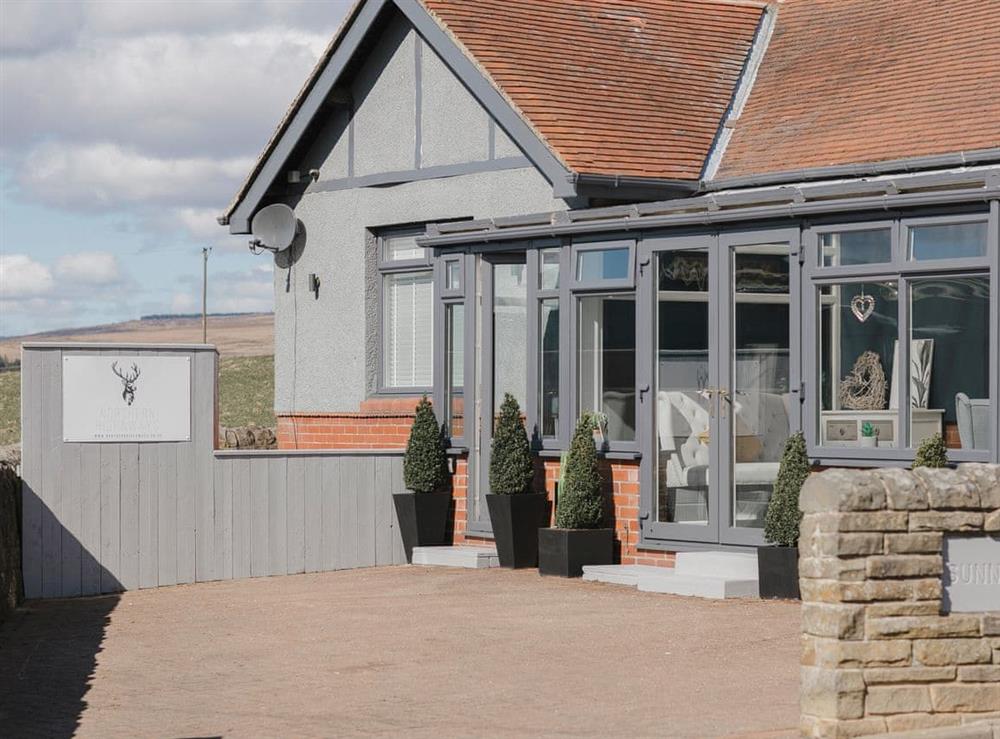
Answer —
474 558
715 575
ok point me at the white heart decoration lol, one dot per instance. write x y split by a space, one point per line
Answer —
862 306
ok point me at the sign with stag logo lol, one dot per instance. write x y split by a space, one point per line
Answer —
126 398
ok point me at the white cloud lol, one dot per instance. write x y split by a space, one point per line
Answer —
89 267
105 175
184 303
21 277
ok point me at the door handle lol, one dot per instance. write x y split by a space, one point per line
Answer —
642 392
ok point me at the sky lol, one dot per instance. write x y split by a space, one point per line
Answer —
126 127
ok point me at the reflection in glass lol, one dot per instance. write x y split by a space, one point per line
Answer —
948 241
606 346
548 381
453 275
455 367
858 334
871 246
602 264
760 375
548 278
950 361
682 381
510 325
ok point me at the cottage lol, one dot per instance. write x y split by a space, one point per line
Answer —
715 222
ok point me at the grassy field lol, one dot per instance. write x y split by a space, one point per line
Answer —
246 395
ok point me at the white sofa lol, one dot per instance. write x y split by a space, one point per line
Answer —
682 427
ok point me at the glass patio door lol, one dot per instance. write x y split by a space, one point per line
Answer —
725 386
501 362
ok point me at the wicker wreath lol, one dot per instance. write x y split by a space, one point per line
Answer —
864 388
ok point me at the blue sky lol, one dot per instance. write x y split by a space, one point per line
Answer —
125 128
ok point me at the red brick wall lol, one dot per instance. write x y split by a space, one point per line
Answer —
380 423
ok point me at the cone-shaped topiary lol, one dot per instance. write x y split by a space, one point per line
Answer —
511 469
425 465
781 525
932 452
581 502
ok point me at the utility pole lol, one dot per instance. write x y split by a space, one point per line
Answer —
204 293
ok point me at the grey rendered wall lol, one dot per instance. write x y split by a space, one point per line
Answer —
102 518
412 117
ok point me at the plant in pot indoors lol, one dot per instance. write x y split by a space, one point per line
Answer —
515 511
869 435
778 565
580 536
422 511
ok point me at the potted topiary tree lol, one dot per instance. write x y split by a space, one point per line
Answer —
932 452
422 512
778 566
515 511
580 536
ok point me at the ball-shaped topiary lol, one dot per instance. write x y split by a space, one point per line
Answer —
781 524
581 501
425 464
511 469
932 452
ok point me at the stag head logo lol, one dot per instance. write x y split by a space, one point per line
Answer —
128 381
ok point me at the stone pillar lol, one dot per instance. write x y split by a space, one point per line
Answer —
879 654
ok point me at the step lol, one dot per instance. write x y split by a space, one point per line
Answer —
701 586
617 574
732 565
476 558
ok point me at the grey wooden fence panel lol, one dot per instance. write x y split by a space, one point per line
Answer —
166 515
277 502
330 535
149 479
398 553
90 524
31 472
51 475
348 544
259 548
366 511
130 517
383 514
112 521
243 477
312 511
106 517
295 514
203 439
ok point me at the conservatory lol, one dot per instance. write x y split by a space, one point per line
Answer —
705 331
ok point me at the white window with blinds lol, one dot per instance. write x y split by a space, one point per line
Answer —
407 329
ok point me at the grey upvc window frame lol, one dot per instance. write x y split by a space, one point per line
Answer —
903 271
583 246
536 295
402 266
445 290
573 290
443 298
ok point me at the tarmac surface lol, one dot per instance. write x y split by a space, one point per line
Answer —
400 651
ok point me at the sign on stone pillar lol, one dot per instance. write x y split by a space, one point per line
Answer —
971 577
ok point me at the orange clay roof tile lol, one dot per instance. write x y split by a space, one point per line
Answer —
614 87
852 81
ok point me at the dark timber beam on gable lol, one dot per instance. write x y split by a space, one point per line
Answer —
269 170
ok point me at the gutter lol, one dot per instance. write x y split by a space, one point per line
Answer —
865 169
616 181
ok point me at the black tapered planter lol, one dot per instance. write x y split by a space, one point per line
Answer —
778 572
516 520
564 552
423 519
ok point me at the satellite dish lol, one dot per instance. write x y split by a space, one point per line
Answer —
274 227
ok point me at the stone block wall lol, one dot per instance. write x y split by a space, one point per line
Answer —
879 652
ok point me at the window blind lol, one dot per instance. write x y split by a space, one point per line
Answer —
407 317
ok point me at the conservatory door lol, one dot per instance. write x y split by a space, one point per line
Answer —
725 386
